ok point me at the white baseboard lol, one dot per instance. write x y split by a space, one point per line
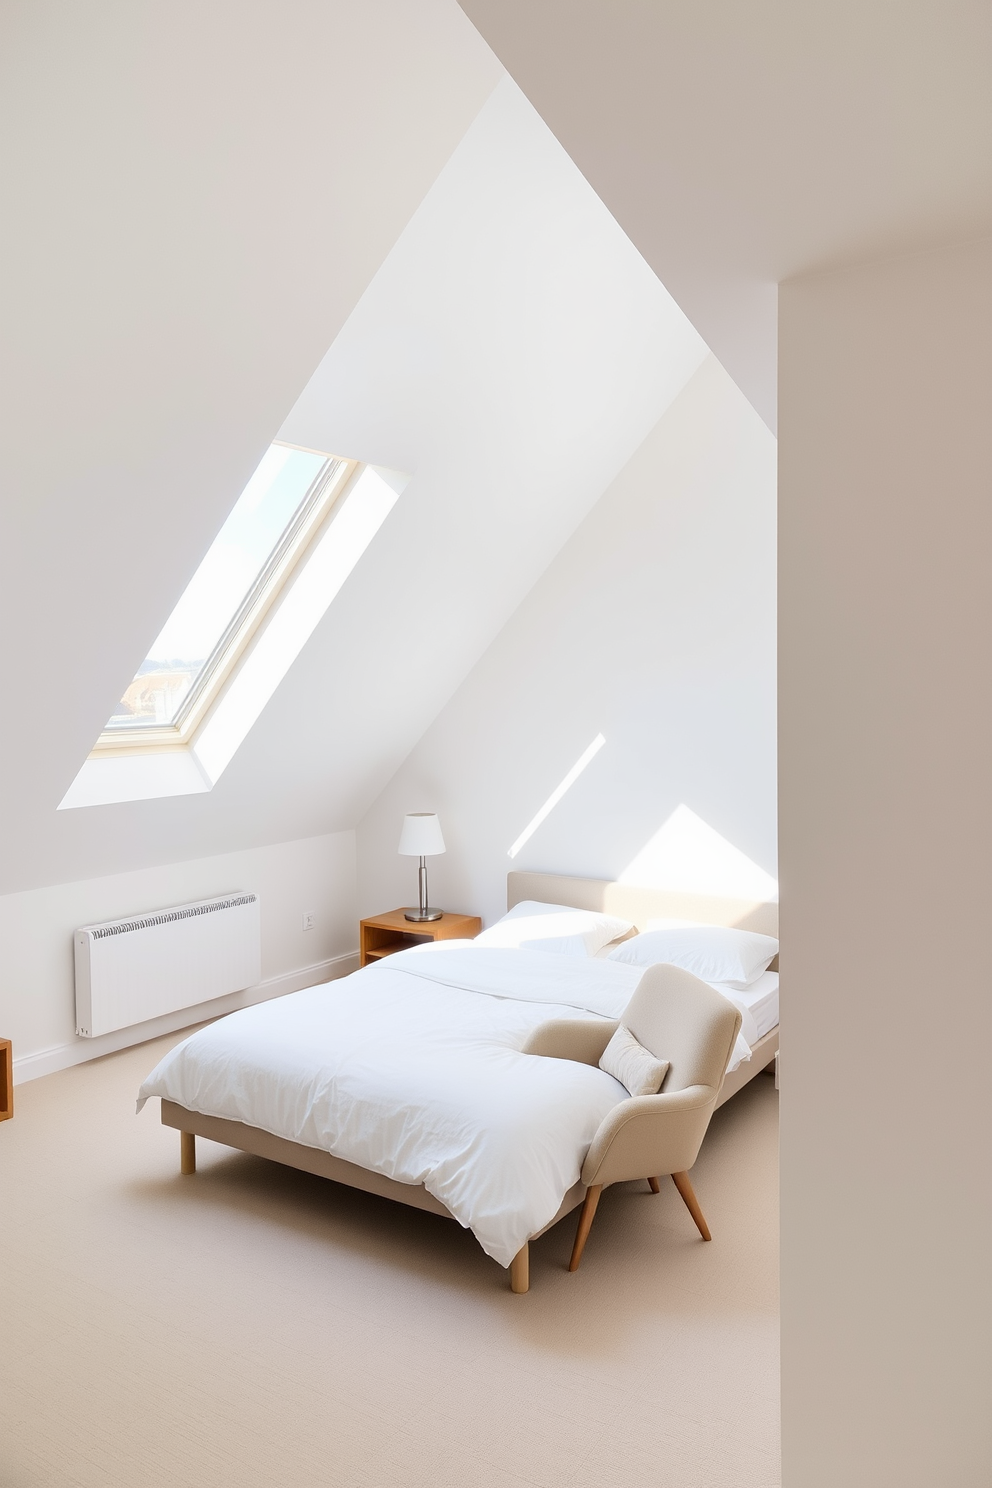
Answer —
79 1050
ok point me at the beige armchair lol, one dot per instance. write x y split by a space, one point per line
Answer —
678 1018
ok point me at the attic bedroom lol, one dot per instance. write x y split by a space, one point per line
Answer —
487 491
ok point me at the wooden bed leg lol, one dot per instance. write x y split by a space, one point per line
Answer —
654 1185
681 1181
520 1270
585 1225
187 1153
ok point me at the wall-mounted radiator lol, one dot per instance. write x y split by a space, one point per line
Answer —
128 971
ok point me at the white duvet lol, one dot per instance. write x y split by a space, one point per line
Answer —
412 1068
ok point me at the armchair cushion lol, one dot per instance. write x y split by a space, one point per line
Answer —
634 1066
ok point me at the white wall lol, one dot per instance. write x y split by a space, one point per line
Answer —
654 626
36 927
886 821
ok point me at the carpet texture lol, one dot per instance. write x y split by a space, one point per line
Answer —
255 1327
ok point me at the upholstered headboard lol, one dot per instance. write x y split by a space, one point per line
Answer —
632 902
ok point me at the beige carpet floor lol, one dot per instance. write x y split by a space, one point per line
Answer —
254 1327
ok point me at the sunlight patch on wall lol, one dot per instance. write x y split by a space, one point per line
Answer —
557 794
688 856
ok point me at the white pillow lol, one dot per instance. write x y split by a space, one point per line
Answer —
553 927
713 953
633 1065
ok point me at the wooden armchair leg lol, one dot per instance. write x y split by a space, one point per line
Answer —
585 1225
681 1181
520 1271
654 1185
187 1153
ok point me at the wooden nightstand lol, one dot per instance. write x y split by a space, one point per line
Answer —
383 934
7 1078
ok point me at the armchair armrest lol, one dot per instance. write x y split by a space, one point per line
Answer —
649 1135
571 1038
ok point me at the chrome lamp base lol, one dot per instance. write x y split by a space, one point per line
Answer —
419 916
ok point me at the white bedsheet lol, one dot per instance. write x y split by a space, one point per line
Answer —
758 1006
412 1067
762 1002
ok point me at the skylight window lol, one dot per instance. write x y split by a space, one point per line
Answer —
224 602
299 528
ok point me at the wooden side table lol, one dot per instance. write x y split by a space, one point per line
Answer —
381 935
7 1079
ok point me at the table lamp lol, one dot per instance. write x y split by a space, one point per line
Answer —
421 838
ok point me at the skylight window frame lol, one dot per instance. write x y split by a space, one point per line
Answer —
332 482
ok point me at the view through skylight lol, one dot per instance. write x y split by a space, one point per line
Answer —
243 560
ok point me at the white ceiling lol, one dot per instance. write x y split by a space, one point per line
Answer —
741 144
506 353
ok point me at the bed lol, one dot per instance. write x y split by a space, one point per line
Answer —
289 1080
640 905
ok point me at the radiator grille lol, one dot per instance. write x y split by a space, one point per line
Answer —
169 916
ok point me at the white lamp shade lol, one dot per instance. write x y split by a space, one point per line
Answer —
421 835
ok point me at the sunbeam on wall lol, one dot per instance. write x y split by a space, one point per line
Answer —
689 856
557 794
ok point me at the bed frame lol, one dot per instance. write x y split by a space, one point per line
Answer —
628 901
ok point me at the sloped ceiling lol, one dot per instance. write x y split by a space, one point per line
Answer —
743 144
511 352
194 199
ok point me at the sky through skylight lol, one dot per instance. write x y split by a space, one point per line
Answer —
234 563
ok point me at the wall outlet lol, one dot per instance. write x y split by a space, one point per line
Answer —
309 920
